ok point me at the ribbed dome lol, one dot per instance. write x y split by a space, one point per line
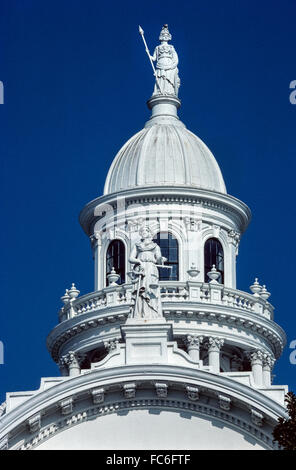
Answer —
164 153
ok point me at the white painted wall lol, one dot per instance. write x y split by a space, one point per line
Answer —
153 429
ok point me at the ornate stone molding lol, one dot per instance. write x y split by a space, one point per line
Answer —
251 427
214 344
216 230
192 224
256 324
233 237
34 423
161 389
134 224
66 406
192 393
98 395
256 417
95 239
268 361
176 377
256 357
224 402
129 390
72 358
193 341
111 345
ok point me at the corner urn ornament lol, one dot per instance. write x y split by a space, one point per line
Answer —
167 81
146 258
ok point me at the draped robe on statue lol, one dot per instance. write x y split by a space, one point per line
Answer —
147 294
166 70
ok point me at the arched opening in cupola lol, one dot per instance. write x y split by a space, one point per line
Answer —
169 249
115 258
213 254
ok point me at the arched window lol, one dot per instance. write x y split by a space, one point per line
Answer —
214 255
115 258
169 249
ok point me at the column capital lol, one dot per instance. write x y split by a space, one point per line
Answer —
215 344
193 341
95 239
71 359
268 361
256 357
111 345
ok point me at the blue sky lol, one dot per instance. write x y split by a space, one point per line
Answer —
76 80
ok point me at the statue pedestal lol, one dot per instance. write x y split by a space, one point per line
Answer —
146 341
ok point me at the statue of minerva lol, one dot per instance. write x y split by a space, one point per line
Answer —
167 81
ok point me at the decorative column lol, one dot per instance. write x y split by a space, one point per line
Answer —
193 344
256 358
96 244
63 367
73 360
214 346
268 362
111 345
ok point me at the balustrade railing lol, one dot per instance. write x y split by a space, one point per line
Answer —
171 291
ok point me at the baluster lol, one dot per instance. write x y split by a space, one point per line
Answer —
225 298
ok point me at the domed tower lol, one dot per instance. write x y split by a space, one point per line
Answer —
166 352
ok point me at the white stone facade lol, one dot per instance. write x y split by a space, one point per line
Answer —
197 378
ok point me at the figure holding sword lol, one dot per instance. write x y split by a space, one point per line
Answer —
146 258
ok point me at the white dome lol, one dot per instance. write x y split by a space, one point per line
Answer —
164 153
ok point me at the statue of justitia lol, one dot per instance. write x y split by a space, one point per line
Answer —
145 256
167 77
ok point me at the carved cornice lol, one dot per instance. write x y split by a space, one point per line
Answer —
129 390
178 380
192 393
220 314
66 406
256 417
218 202
224 402
98 395
34 423
252 427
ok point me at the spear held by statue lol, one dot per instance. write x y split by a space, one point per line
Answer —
141 31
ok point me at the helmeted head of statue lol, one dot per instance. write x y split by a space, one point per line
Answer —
145 232
165 34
